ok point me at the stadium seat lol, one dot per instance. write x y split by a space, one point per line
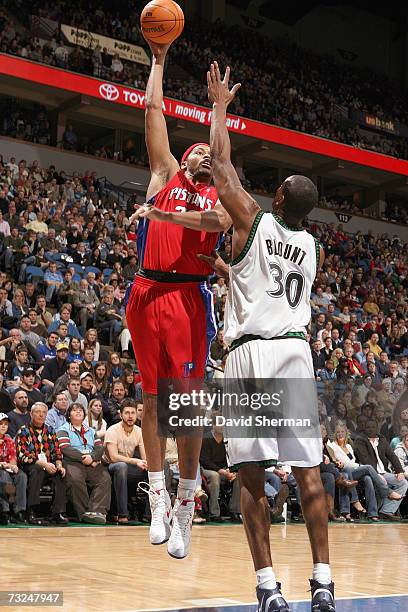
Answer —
34 273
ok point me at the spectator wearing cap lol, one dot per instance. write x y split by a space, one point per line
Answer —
82 451
74 395
56 415
64 316
88 388
27 384
20 415
47 349
361 356
53 280
39 455
13 482
54 368
126 458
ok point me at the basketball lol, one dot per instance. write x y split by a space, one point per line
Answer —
162 21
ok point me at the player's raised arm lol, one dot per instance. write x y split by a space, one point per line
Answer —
241 207
162 163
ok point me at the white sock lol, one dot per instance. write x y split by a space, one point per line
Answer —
266 578
186 488
322 573
157 480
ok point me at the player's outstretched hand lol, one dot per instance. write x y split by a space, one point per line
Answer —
218 89
158 51
218 265
149 212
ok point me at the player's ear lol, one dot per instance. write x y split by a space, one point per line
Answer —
183 165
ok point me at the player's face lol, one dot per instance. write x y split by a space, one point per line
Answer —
198 163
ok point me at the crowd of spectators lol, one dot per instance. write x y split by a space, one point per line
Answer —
313 90
67 255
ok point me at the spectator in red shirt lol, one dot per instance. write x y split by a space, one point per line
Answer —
13 482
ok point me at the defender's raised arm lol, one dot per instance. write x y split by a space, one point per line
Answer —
241 206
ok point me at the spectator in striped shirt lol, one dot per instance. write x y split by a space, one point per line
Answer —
82 452
39 455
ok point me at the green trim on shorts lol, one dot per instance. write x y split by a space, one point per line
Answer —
250 239
266 463
249 337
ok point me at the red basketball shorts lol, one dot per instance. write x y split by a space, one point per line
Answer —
172 326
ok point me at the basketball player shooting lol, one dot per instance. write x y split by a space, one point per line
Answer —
268 345
169 312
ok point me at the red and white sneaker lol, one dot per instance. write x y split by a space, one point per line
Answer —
160 507
178 545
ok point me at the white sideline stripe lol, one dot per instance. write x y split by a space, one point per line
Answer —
239 603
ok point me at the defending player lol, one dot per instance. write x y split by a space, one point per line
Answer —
169 312
266 346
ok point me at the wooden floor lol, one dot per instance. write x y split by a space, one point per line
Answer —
116 569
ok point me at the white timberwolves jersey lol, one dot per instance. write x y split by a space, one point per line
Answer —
271 281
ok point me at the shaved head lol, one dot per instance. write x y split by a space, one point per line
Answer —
295 198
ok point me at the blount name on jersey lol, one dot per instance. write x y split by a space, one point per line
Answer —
287 251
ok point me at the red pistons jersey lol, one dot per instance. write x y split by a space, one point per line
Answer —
167 247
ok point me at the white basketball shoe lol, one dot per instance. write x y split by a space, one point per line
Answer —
178 545
160 507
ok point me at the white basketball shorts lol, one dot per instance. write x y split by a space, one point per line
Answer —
286 358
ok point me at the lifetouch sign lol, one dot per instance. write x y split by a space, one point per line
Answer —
118 94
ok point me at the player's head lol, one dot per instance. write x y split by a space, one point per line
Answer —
295 198
196 162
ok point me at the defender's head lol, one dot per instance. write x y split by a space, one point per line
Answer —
295 198
196 162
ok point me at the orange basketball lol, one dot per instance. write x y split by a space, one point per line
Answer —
162 21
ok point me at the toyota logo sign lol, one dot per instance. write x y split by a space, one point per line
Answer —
109 92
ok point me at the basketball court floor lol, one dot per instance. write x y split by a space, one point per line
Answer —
115 569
